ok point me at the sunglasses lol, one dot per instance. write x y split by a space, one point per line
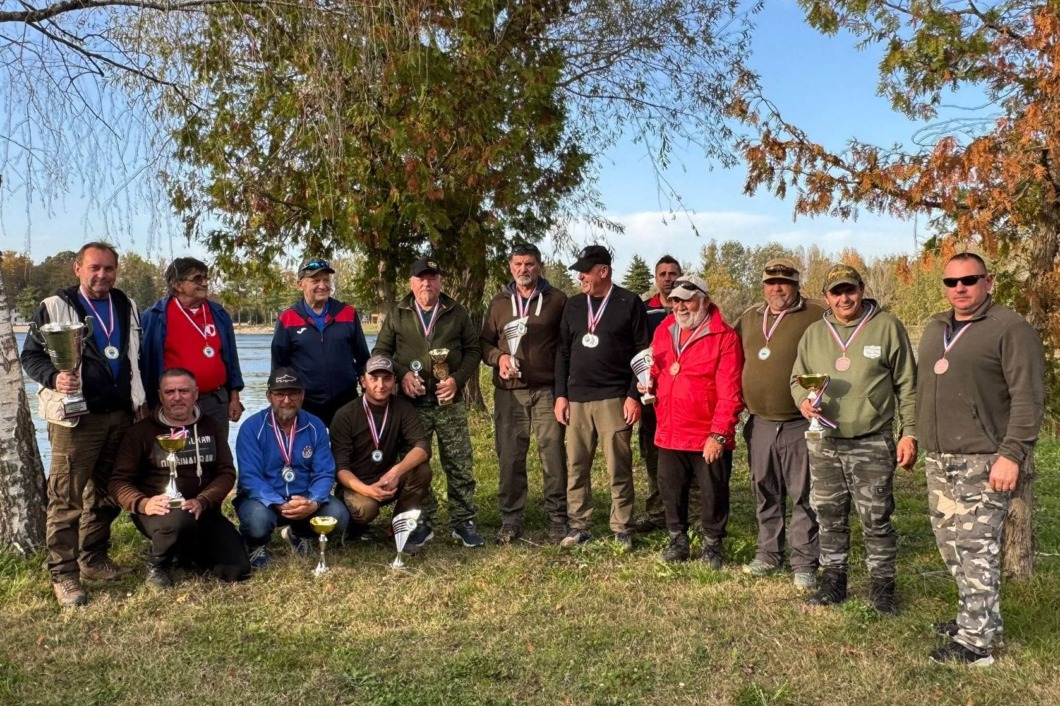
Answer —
198 279
689 286
780 270
967 280
524 249
316 265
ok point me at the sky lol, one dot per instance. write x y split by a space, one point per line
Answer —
823 84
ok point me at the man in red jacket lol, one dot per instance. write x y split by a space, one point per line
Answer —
696 375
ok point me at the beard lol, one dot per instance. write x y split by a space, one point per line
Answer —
285 415
689 320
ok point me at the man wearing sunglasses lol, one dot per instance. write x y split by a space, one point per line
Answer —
186 330
868 357
776 448
321 337
980 405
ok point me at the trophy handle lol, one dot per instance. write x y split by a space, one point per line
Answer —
90 326
35 333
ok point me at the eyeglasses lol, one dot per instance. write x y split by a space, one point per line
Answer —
291 396
967 280
198 279
781 270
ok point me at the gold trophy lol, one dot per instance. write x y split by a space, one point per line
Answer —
323 526
440 369
65 344
172 445
815 383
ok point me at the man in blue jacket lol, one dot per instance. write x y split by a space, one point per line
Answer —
186 330
286 472
322 339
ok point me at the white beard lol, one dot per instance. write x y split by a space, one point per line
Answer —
687 320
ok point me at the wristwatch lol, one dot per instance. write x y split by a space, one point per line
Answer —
720 438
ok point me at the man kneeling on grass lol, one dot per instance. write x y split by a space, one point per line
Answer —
194 532
286 472
368 437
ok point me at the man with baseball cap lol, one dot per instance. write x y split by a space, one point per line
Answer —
286 471
872 379
425 320
381 451
322 339
776 448
602 328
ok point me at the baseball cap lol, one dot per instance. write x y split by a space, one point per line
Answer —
591 255
781 268
423 266
311 267
379 363
686 286
842 274
285 379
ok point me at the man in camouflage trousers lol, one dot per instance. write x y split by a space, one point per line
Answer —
868 356
981 398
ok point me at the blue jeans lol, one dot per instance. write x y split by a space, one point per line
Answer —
257 521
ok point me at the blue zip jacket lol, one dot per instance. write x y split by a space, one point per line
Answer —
329 363
261 464
153 344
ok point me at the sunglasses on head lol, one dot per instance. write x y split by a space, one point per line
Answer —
524 249
690 286
967 280
317 265
780 270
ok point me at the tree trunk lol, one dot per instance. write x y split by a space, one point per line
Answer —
1019 531
23 496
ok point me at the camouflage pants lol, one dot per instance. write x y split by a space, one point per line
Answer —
858 471
449 423
969 519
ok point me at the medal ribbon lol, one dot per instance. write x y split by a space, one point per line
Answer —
427 329
99 319
524 304
835 334
205 320
675 337
288 452
594 319
947 343
818 401
377 434
765 317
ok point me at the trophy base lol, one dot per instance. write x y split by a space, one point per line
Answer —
321 569
176 502
397 563
814 435
647 399
74 407
444 403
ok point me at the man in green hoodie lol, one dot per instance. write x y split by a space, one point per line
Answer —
868 357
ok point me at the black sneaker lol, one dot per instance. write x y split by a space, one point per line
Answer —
420 536
467 535
711 555
158 578
678 549
945 629
955 653
882 596
575 537
831 591
625 541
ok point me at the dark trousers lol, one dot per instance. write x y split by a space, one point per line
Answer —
211 542
215 405
326 410
676 470
257 521
650 453
412 488
780 468
80 511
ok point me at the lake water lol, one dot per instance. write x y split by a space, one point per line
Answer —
254 359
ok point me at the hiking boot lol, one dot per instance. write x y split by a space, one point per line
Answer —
805 580
575 537
302 546
69 593
645 524
832 589
956 653
466 534
678 549
259 557
882 596
945 629
106 570
556 532
711 555
625 541
158 578
759 568
420 536
508 534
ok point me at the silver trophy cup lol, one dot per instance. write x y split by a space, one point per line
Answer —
65 344
403 525
641 365
513 333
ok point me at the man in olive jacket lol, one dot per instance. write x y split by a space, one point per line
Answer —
426 320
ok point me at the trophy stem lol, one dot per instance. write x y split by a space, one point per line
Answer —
322 566
175 497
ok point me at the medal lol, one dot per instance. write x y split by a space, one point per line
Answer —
377 455
376 432
590 340
941 366
428 328
111 352
206 331
675 368
208 351
764 353
286 451
288 474
842 364
675 339
767 333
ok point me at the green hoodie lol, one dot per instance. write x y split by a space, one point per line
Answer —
880 381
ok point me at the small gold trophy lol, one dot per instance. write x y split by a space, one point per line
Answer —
322 525
172 445
815 383
440 368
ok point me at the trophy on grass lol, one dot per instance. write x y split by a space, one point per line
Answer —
513 333
641 365
816 384
403 525
172 444
323 526
440 369
65 344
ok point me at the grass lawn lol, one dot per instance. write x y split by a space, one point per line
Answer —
528 624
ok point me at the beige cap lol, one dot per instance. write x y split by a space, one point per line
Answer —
781 268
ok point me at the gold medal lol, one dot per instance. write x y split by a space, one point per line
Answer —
675 368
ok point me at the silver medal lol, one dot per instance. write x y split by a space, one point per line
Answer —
208 351
288 474
763 354
590 340
377 455
111 352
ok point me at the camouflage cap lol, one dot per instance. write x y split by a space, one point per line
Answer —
842 274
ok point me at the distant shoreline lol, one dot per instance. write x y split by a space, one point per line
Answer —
240 328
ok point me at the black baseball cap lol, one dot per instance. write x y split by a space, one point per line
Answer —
379 364
423 266
591 255
311 267
285 379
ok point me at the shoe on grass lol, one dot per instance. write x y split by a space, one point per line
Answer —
760 568
679 549
575 537
883 596
302 546
467 535
69 592
508 534
958 654
948 629
106 570
259 557
158 578
557 532
805 580
419 537
711 555
625 541
832 590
